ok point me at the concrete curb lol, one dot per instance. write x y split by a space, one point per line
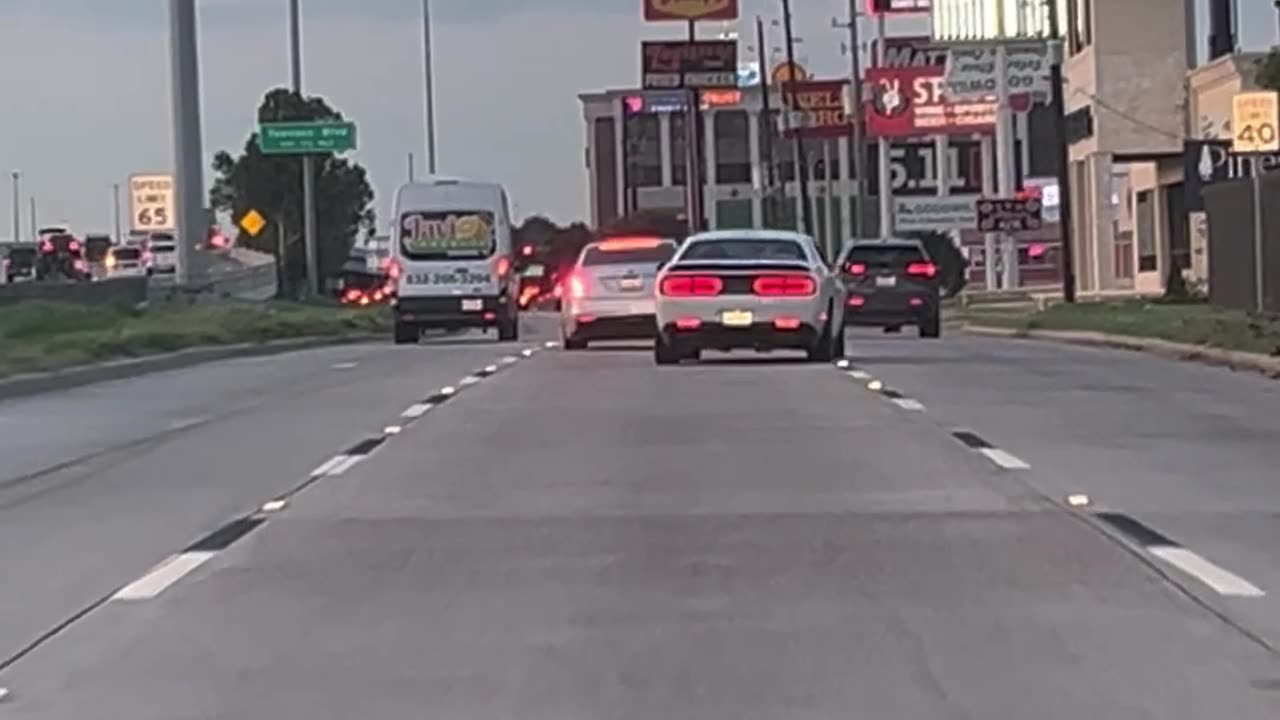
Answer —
1234 359
80 375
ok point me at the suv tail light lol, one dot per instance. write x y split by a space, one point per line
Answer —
856 268
784 285
922 269
691 285
577 288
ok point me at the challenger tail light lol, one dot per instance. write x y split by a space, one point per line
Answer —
922 269
691 286
856 268
793 285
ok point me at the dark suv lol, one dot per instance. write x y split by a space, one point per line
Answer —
891 283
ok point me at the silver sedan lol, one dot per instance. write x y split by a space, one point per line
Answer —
748 289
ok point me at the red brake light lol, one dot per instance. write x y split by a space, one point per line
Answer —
784 285
46 247
502 266
922 269
73 246
856 268
857 301
392 268
691 285
577 289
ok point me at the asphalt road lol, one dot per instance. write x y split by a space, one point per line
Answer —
584 535
99 483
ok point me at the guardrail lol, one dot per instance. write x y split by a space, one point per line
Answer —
118 291
257 283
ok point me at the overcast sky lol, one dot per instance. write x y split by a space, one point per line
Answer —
86 86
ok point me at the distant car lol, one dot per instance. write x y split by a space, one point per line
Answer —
609 293
61 257
891 283
20 263
126 262
162 249
748 289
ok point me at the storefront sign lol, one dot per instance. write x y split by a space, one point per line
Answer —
910 102
817 109
697 64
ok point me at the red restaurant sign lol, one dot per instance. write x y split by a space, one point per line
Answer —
817 108
908 102
657 10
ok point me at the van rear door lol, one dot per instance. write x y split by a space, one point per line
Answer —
449 253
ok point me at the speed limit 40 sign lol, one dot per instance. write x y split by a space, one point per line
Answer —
151 202
1254 120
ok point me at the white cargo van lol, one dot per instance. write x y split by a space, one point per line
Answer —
452 248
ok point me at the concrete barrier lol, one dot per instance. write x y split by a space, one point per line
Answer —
119 291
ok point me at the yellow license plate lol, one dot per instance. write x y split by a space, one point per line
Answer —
736 318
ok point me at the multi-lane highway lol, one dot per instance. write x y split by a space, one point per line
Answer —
497 531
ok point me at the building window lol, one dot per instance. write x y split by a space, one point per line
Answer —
1145 221
677 148
643 151
1079 25
733 146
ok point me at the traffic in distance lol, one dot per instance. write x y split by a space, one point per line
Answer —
453 265
59 255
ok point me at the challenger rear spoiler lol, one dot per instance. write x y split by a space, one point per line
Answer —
748 266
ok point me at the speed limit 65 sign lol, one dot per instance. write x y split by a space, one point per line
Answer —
1254 120
151 202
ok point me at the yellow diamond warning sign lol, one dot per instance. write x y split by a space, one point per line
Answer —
253 222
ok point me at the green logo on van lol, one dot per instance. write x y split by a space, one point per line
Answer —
427 232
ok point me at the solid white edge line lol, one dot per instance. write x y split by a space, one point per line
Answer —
162 576
909 404
416 411
859 374
1004 459
345 465
1221 580
325 468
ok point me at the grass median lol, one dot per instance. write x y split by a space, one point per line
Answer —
40 336
1182 322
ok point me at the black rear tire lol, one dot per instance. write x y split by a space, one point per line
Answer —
931 328
664 354
840 349
406 334
824 349
574 343
508 327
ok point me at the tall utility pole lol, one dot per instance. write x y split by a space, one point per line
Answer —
429 86
1059 109
32 218
859 120
410 167
16 176
308 161
188 143
798 139
766 128
115 211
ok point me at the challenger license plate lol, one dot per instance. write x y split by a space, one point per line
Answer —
472 305
736 318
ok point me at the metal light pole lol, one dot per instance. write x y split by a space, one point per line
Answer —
32 218
766 144
429 86
859 120
188 151
1067 252
17 205
803 159
115 202
308 161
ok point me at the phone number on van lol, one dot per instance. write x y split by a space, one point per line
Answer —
439 278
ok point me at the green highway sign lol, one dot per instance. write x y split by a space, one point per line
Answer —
295 138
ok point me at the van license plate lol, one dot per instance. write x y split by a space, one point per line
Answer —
472 305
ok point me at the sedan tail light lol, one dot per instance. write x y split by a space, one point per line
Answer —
922 269
691 286
856 268
794 285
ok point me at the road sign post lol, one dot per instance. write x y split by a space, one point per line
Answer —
304 138
1255 123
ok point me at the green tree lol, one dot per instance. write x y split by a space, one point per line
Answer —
1268 76
272 185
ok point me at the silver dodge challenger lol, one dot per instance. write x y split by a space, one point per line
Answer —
748 289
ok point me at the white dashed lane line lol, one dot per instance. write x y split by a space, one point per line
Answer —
909 404
1001 458
163 575
1220 580
328 466
416 410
